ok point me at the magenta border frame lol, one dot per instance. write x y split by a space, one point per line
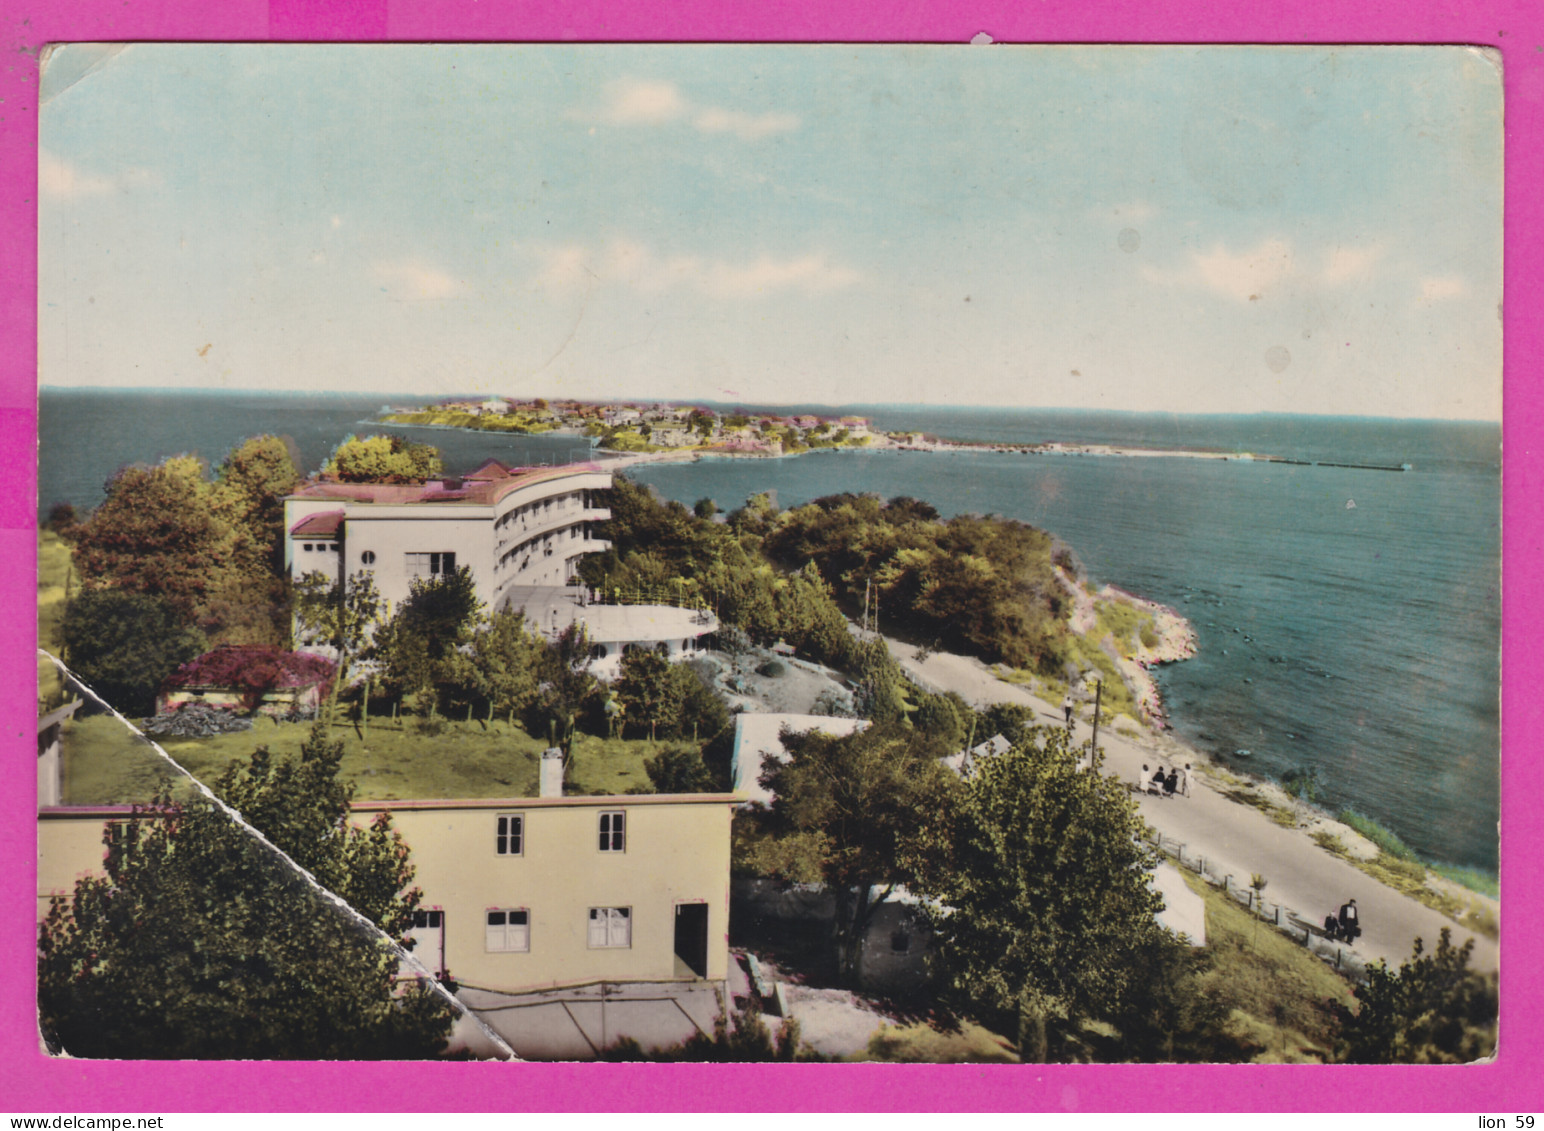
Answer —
36 1083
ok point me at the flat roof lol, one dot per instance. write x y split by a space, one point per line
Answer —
578 801
483 487
553 608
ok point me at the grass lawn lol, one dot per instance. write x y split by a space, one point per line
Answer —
103 764
53 567
1276 990
920 1043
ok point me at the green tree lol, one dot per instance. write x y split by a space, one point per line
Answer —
650 694
62 520
250 596
944 715
566 690
124 644
383 459
156 533
1044 877
1434 1010
847 812
343 614
249 496
506 663
201 942
422 645
677 769
704 714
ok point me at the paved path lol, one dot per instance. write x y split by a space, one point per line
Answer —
1233 837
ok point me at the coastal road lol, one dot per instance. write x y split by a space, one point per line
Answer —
1233 837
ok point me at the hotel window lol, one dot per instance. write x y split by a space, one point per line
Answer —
509 928
368 557
308 547
433 564
611 927
428 920
613 831
510 840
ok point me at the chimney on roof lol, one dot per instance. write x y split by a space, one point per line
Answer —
551 772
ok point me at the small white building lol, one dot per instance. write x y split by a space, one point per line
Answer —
614 630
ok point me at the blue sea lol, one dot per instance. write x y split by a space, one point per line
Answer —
1349 620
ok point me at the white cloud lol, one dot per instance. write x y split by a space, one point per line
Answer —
416 278
1344 264
629 264
1246 273
59 178
1434 288
637 102
751 127
1242 276
631 102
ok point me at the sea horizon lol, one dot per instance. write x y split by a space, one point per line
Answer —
834 407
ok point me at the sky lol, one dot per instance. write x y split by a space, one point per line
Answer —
1135 228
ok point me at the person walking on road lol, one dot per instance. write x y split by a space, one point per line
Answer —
1067 710
1350 926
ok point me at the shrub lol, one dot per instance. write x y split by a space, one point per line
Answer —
1302 783
1471 878
773 669
1386 839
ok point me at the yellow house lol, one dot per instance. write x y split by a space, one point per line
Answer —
528 893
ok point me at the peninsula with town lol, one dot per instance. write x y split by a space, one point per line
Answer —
645 431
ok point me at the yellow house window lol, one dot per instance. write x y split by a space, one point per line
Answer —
613 832
510 839
509 928
611 927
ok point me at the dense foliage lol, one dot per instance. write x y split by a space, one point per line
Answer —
1045 915
424 648
847 812
982 586
666 700
678 769
123 644
342 614
201 942
383 459
1433 1010
665 549
210 549
745 1039
157 533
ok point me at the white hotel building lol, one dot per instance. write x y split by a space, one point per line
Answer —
520 531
